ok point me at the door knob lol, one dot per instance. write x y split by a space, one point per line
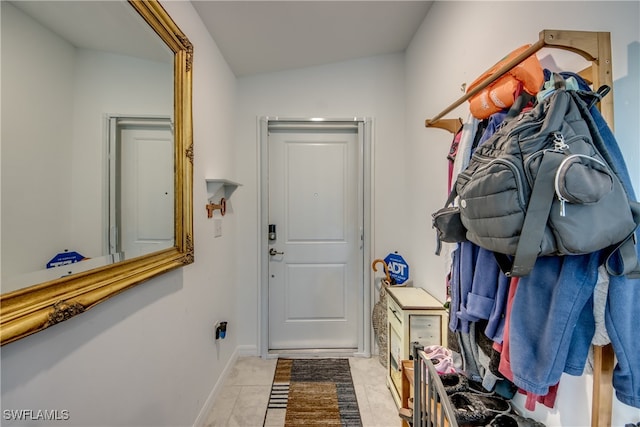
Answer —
273 252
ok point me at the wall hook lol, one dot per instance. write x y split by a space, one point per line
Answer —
211 207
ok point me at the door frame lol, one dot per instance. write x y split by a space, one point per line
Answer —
113 124
365 159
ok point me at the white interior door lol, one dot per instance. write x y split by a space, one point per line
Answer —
144 200
316 271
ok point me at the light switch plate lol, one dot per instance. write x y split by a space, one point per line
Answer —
217 227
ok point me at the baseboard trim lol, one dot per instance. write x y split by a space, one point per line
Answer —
240 351
319 353
201 419
247 350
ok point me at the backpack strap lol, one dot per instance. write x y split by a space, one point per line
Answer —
452 196
535 219
623 260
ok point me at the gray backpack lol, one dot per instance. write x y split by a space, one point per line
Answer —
539 186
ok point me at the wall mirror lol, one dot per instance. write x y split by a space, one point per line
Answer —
97 155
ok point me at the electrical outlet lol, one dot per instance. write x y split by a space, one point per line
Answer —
217 227
220 330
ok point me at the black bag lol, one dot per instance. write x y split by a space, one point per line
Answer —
539 186
448 224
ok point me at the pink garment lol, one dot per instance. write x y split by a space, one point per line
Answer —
453 151
548 400
437 351
442 359
505 366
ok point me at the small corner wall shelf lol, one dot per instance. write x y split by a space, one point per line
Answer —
215 186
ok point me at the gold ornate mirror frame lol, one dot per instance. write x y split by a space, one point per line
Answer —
26 311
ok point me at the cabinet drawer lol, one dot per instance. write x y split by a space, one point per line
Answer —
394 313
425 329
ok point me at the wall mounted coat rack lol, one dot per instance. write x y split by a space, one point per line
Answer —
596 48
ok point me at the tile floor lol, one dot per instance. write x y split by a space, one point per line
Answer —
243 399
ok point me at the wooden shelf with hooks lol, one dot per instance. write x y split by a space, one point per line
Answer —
596 48
593 46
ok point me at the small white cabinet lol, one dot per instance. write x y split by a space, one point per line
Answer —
413 316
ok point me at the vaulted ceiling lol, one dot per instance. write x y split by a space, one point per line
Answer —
265 36
253 36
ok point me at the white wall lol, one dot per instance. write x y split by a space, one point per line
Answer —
146 356
37 113
55 99
370 87
107 83
456 43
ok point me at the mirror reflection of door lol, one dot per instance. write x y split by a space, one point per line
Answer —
315 271
141 190
64 66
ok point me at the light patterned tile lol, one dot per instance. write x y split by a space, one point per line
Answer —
275 418
367 370
223 407
250 407
382 407
363 405
243 401
252 371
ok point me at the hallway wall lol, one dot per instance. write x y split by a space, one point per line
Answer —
455 44
368 87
